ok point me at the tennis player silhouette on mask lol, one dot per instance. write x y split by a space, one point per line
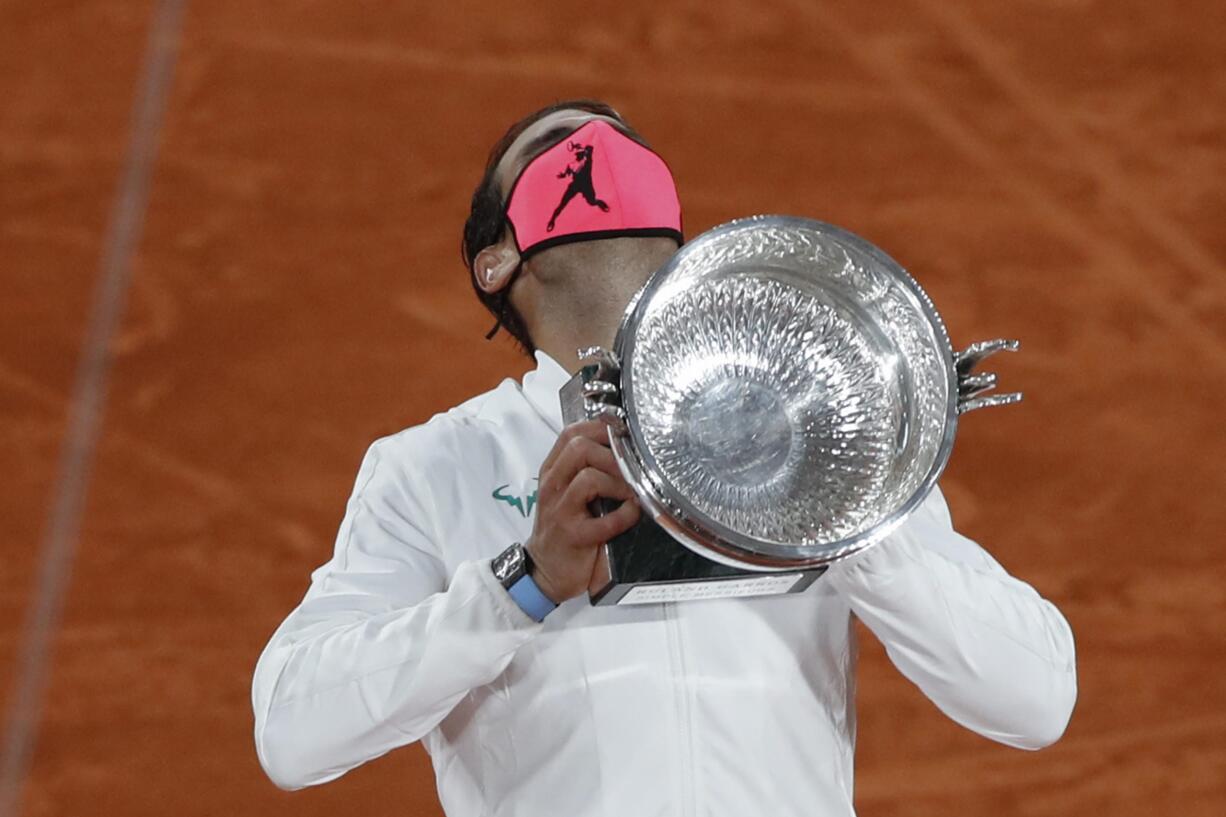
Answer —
580 172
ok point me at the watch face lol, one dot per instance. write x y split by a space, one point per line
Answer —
509 563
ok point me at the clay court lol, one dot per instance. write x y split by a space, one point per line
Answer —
274 193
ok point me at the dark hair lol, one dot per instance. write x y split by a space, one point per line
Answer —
487 218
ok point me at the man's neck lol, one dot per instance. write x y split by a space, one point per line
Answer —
583 305
562 343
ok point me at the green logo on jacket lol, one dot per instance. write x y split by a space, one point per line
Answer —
523 504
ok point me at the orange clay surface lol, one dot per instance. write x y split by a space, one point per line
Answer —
1052 171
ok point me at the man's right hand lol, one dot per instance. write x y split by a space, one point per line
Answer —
565 536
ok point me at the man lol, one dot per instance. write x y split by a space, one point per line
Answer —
531 701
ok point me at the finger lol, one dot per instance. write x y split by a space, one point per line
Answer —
582 453
590 484
604 528
594 430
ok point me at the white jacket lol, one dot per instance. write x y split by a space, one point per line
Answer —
724 707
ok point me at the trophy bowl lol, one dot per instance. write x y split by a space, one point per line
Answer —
782 394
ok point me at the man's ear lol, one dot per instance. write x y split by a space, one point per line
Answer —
493 266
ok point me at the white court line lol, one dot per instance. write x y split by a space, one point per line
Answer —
89 397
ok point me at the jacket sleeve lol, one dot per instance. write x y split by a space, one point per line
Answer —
988 650
384 645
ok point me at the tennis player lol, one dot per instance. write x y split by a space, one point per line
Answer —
453 608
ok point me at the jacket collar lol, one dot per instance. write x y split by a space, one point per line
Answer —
541 387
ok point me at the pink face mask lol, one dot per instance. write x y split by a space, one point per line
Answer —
596 183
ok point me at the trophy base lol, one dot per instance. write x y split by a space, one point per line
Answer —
645 565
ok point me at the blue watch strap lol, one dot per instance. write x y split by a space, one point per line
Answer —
530 598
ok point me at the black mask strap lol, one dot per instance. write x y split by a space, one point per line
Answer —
497 324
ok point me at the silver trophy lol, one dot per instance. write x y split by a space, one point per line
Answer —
781 394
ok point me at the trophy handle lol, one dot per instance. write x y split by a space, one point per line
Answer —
601 394
601 397
971 386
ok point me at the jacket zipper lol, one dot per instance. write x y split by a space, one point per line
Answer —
681 701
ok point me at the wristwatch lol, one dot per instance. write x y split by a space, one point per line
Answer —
513 568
